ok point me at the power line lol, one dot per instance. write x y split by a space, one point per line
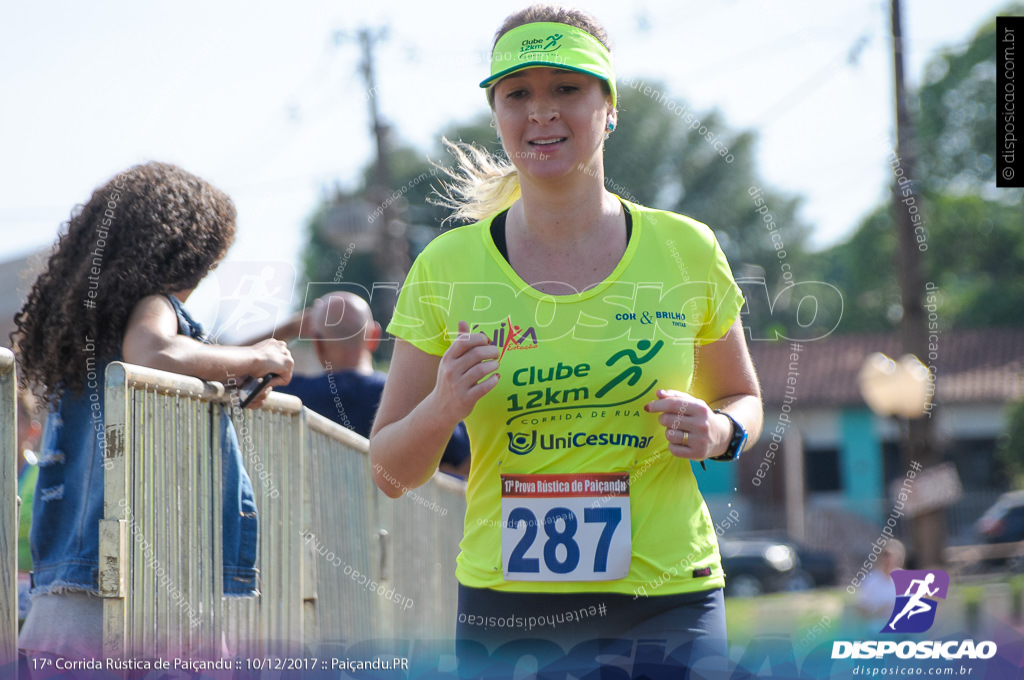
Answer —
848 57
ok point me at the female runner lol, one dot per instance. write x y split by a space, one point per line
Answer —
593 347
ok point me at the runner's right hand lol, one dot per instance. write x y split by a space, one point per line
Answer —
461 374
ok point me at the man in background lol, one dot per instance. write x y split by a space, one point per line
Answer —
348 391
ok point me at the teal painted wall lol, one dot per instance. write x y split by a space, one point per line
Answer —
861 464
719 478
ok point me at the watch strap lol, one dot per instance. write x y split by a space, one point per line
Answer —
739 437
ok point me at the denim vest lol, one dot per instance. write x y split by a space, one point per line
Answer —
68 502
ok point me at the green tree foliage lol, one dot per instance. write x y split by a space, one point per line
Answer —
1010 450
975 244
862 268
977 253
975 256
956 108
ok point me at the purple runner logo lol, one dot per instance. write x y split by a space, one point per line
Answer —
914 611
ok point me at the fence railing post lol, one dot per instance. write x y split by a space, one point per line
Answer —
8 509
159 572
271 440
113 544
424 528
339 541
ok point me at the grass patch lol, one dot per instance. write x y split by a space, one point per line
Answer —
790 614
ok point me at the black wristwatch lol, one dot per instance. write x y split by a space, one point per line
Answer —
738 441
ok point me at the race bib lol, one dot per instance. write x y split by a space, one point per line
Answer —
572 527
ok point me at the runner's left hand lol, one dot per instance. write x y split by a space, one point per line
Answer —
692 428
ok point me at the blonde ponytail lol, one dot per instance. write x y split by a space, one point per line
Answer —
480 185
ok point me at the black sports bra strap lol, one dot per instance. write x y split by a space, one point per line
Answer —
498 231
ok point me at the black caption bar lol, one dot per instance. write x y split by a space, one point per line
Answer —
1009 156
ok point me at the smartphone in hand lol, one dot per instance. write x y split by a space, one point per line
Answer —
251 387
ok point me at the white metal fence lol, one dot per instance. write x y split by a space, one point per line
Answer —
339 562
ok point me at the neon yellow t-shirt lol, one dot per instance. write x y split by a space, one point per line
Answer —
576 371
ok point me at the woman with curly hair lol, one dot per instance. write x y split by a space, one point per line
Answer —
113 291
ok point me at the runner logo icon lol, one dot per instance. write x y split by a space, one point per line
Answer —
914 611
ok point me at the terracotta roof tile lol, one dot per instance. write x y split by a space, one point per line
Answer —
977 365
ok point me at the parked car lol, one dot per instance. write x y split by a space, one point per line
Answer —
821 566
1004 521
765 564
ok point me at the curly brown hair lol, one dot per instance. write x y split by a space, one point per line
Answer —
153 229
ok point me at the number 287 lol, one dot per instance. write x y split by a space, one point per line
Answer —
518 562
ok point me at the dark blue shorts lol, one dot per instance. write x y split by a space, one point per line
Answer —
662 635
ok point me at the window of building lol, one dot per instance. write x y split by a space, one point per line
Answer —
821 467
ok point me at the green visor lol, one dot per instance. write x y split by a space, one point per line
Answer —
551 44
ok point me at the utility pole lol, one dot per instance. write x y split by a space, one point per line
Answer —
392 251
928 529
367 41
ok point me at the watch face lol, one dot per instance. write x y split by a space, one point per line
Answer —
741 444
